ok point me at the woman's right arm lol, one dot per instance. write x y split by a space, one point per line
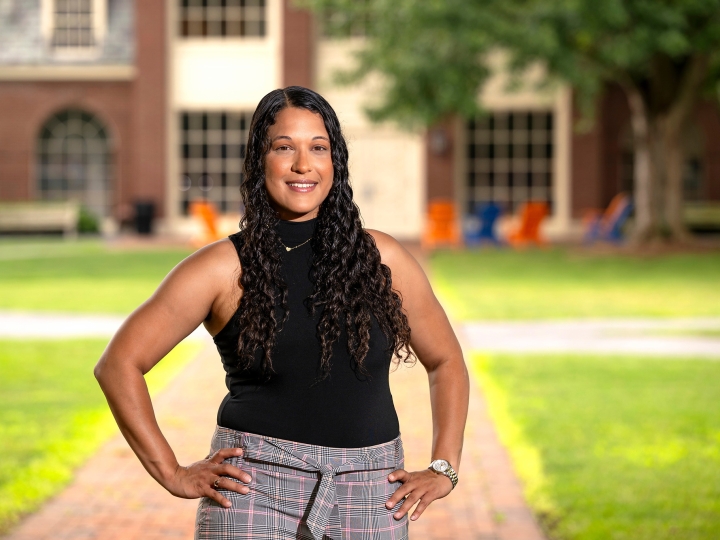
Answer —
200 289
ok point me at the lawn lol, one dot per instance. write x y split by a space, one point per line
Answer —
53 415
82 276
556 283
611 447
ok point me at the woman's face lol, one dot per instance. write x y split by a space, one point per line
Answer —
298 167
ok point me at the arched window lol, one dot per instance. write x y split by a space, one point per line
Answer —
73 158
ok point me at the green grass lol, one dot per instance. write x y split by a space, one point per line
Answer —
557 283
82 276
611 447
53 415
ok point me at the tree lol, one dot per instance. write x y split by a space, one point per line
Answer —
434 57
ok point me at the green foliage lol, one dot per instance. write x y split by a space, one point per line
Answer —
556 283
87 221
611 447
53 415
433 55
80 276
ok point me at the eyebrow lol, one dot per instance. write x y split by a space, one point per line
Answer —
290 138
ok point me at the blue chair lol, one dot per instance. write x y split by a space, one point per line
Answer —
480 225
608 225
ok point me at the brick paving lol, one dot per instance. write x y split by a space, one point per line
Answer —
112 497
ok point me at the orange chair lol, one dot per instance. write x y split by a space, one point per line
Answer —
441 227
205 213
532 215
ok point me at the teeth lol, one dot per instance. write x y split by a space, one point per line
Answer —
301 185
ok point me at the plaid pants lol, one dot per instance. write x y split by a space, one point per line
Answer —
305 492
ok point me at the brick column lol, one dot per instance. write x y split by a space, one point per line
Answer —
297 46
149 104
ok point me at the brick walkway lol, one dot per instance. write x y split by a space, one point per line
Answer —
113 497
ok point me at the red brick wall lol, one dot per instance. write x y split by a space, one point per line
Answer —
586 170
297 49
133 111
597 152
708 119
440 167
26 106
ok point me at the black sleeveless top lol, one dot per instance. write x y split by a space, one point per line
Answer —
348 409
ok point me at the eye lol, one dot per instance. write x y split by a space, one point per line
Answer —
283 148
319 148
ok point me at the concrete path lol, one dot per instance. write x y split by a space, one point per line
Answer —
29 324
112 497
653 337
662 337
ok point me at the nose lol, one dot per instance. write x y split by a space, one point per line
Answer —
301 165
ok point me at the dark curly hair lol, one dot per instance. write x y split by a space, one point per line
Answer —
350 282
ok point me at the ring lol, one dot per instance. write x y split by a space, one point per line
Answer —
215 483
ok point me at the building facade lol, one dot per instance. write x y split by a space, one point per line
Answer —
116 102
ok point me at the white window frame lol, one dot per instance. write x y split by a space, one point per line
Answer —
99 27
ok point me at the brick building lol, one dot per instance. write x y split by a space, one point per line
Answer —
114 102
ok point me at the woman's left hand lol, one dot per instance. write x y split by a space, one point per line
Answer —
424 486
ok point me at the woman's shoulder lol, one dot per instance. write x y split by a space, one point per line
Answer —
392 252
214 260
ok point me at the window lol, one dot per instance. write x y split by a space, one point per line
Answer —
74 28
73 157
73 23
223 18
509 157
212 151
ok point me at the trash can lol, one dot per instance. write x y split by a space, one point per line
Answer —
144 215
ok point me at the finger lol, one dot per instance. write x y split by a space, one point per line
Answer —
215 496
226 483
420 508
407 505
399 495
400 475
233 472
225 453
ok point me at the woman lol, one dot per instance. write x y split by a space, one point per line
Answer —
307 309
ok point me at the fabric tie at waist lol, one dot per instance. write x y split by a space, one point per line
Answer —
274 452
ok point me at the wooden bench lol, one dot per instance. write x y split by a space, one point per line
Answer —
702 214
40 216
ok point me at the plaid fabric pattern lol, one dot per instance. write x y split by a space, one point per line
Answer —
305 492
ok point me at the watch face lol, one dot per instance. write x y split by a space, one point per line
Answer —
440 465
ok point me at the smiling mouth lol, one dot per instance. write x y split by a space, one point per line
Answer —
302 186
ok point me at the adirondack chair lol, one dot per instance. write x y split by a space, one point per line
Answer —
441 227
532 215
608 225
205 214
483 220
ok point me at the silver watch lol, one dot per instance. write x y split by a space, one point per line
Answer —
440 466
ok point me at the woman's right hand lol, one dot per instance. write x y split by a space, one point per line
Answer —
202 478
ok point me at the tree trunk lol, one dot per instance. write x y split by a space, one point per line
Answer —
674 160
673 154
645 215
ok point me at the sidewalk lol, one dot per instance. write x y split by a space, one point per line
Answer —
112 497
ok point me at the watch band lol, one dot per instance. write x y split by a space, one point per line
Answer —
441 466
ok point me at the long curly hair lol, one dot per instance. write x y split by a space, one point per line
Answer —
350 283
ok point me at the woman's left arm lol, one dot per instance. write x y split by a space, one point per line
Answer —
437 348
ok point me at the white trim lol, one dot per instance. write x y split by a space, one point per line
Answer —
562 186
67 73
